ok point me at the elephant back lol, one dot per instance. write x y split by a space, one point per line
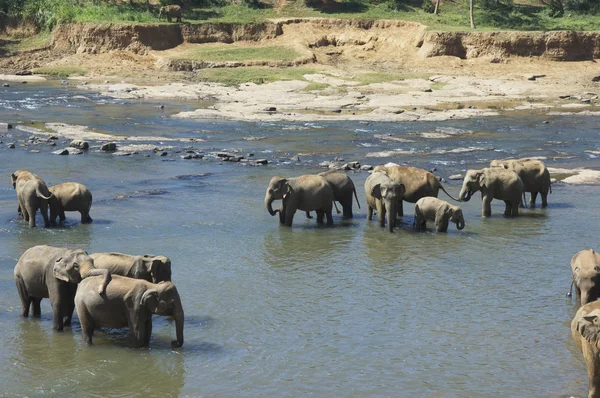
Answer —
417 182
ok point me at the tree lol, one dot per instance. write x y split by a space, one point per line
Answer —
471 14
437 6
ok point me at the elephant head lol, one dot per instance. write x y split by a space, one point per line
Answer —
159 268
278 189
456 216
161 12
71 266
390 194
474 181
164 300
588 282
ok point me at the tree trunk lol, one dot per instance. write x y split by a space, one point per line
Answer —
148 5
471 14
437 6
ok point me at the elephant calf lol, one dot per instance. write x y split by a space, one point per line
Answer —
585 329
430 208
170 12
153 269
70 196
383 195
128 303
32 194
585 268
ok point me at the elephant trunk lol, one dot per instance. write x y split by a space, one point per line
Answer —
391 215
268 204
584 297
465 194
460 224
179 319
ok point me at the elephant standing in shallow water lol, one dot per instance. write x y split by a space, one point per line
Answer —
343 189
70 196
32 194
153 269
585 268
439 211
306 193
533 173
383 195
494 183
585 329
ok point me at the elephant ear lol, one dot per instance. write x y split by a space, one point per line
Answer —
59 271
13 179
150 299
481 179
376 191
153 269
400 190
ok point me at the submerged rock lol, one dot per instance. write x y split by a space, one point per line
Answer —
11 145
63 151
79 144
109 147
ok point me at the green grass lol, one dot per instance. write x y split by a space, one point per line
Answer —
252 75
438 85
60 71
316 87
274 53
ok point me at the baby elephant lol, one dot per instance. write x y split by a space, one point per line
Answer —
70 196
170 11
129 303
430 208
585 329
153 269
585 268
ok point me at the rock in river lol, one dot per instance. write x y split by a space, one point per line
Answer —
109 147
79 144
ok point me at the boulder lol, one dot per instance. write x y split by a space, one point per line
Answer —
11 145
366 167
456 177
109 147
61 152
79 144
6 126
74 151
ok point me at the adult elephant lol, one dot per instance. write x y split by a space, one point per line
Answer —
53 272
494 183
128 303
153 269
439 211
585 329
170 11
384 196
343 189
419 183
306 193
533 173
32 194
70 196
585 269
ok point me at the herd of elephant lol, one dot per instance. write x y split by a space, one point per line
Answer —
112 290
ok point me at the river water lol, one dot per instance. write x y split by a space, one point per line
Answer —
349 310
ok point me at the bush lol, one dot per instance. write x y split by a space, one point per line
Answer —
46 14
428 6
583 6
495 4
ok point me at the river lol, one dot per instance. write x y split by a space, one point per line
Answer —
349 310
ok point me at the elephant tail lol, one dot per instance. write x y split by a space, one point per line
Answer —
446 192
41 195
356 197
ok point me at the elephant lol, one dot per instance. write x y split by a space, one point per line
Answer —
343 188
494 183
585 329
418 182
32 194
306 193
430 208
585 268
70 196
153 269
129 303
383 194
53 272
533 173
170 12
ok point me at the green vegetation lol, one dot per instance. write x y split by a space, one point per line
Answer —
251 75
316 87
437 85
60 71
274 53
453 15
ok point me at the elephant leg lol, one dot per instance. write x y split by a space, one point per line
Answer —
148 332
532 199
62 215
85 217
44 211
380 213
137 330
289 215
24 296
308 215
486 206
320 216
400 210
369 213
70 305
507 208
36 307
329 216
515 209
31 216
57 312
544 196
347 208
441 225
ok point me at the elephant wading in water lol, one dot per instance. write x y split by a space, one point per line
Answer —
305 193
585 267
440 211
32 194
170 12
418 183
343 189
533 173
53 272
585 329
494 183
70 196
153 269
383 195
128 303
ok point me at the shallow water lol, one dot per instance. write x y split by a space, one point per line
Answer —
348 310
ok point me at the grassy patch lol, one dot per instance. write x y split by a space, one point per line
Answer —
275 53
31 43
437 85
60 71
235 76
316 87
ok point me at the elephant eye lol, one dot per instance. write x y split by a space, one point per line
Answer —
75 266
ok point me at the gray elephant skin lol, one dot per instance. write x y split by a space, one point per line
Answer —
585 329
494 183
53 272
70 196
343 190
585 268
32 194
418 183
533 173
128 303
170 12
439 211
305 193
153 269
383 195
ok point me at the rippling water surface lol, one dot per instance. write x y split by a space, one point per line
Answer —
348 310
